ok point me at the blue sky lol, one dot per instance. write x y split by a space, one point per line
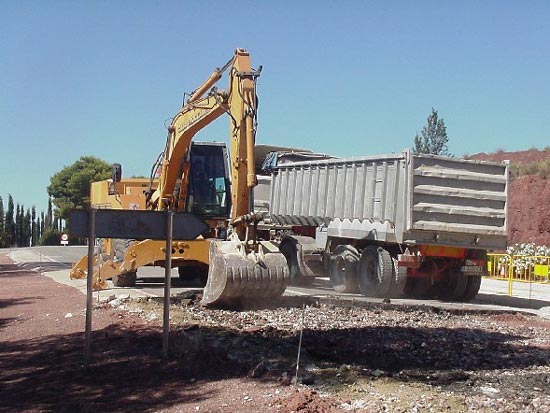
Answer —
347 78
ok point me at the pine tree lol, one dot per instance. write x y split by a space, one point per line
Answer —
434 138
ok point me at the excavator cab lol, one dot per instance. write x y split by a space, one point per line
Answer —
208 193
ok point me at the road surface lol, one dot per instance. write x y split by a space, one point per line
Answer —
56 262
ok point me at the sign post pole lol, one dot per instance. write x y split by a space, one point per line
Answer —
167 281
89 292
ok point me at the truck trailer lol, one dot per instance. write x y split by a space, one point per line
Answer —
392 225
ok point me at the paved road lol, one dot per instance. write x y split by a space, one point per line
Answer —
55 262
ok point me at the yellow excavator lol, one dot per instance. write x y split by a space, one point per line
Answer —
195 177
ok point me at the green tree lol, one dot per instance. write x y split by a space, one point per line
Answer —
48 221
9 224
2 228
70 187
34 226
27 229
434 138
18 225
42 226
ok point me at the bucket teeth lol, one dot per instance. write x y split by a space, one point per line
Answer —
234 278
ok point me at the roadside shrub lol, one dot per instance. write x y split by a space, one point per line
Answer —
51 237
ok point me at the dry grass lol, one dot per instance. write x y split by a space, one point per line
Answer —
541 168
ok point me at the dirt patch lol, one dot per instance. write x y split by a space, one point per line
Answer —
528 212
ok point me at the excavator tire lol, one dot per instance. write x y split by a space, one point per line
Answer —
193 275
235 279
125 280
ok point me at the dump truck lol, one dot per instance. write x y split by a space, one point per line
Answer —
389 225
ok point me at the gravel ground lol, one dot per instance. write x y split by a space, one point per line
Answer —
373 358
378 357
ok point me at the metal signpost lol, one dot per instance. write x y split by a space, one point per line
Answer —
131 224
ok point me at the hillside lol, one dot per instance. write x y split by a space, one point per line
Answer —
529 194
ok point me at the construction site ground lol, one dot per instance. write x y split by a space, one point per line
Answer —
354 355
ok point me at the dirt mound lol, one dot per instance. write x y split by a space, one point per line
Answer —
529 197
309 401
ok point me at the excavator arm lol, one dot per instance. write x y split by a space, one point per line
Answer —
240 103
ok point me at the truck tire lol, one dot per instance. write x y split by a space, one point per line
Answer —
399 280
343 269
125 280
419 288
453 287
375 272
472 287
102 250
193 275
290 251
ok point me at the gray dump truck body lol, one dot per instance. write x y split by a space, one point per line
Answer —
400 198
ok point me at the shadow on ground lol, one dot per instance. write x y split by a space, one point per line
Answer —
127 373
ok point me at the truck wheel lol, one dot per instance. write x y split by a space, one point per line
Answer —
419 288
193 275
120 246
125 280
375 272
472 287
105 255
399 280
453 287
343 269
290 251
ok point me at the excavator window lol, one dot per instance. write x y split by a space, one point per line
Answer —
208 187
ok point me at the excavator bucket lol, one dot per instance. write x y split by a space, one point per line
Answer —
235 277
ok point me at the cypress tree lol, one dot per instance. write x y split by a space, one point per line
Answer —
27 229
42 224
9 224
33 226
19 215
2 217
49 216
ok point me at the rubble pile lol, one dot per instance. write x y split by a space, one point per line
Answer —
378 357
